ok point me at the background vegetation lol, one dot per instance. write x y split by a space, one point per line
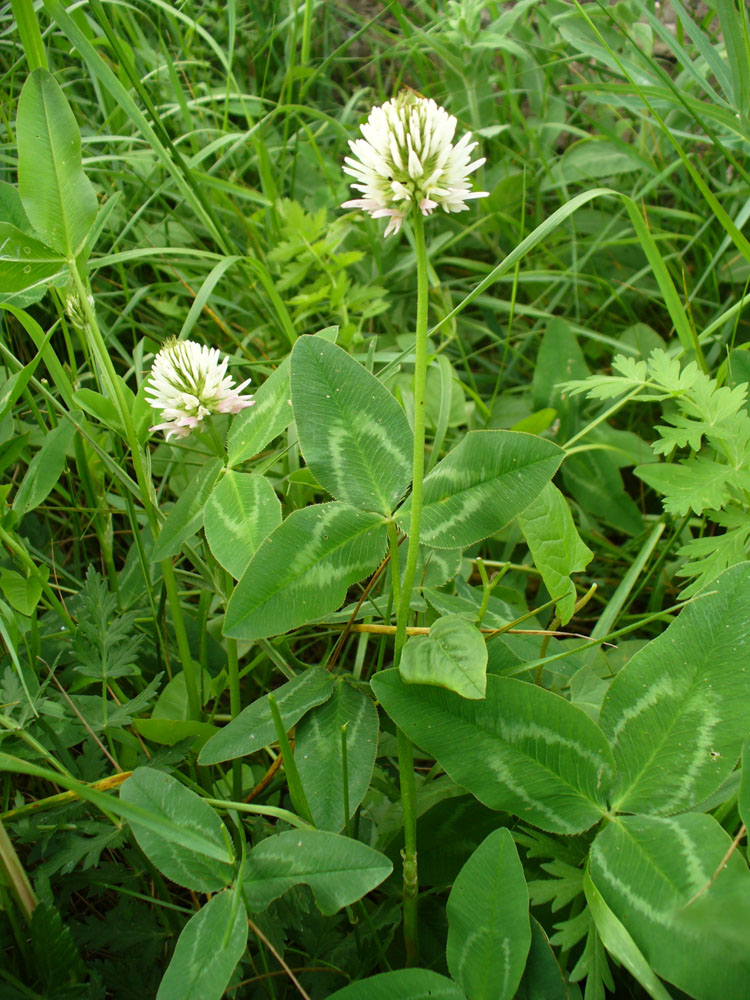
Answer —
616 138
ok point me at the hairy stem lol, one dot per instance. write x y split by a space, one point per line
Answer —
405 749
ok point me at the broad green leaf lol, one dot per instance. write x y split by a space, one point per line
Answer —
257 425
354 435
467 603
22 593
594 480
452 656
531 752
676 714
436 566
589 159
171 731
404 984
542 979
338 870
211 944
11 208
303 570
25 262
240 512
556 547
254 729
744 792
536 423
488 921
186 517
97 405
172 702
319 753
559 359
619 943
56 193
45 468
486 481
656 875
165 796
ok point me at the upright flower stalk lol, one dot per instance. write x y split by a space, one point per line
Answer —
107 369
405 164
420 392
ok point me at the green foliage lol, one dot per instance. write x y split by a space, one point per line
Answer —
25 263
57 196
302 570
652 888
556 547
338 870
533 752
254 727
488 924
241 510
676 726
364 456
208 949
315 271
712 421
411 984
164 796
45 468
259 424
481 485
335 749
452 656
186 517
573 792
105 644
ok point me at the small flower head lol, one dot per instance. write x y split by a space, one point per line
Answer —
407 159
187 383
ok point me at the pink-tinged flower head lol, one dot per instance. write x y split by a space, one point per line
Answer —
188 382
407 159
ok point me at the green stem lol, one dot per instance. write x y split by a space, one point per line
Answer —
306 28
345 779
104 361
293 779
395 563
405 749
31 36
235 699
15 876
420 387
411 878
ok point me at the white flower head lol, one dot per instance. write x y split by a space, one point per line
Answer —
407 159
188 382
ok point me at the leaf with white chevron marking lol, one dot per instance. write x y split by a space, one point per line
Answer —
677 714
302 571
521 749
486 481
257 425
242 510
488 921
656 875
319 753
354 435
